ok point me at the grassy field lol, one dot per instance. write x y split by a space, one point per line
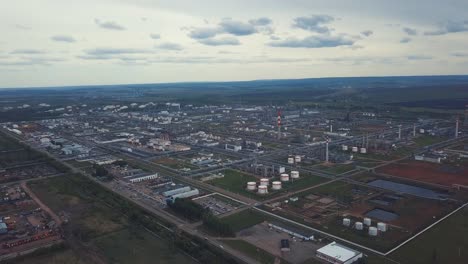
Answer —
56 257
446 242
244 219
236 182
258 254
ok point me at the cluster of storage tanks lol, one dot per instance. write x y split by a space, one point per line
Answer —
372 230
294 159
354 149
275 185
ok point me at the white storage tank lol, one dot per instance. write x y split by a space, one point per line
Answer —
276 185
290 160
262 189
367 221
295 174
421 130
264 182
355 149
372 231
344 148
363 150
284 177
251 186
359 226
297 159
382 227
346 221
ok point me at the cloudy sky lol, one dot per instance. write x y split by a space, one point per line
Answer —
64 42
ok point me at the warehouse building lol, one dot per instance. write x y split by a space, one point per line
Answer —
338 254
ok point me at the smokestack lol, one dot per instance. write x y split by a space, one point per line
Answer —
456 128
414 130
279 124
326 152
331 127
399 132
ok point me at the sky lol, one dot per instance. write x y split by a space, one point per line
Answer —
91 42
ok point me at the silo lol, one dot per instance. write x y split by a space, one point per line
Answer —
359 226
363 150
372 231
262 189
297 159
382 227
264 182
284 177
367 221
276 185
346 221
355 149
290 160
344 148
251 186
295 174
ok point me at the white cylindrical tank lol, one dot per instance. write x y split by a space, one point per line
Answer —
363 150
291 160
262 189
346 221
382 227
367 221
297 158
344 148
421 130
264 182
276 185
372 231
284 177
295 174
355 149
359 226
251 186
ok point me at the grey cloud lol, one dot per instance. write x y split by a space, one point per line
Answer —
169 46
367 33
155 36
63 38
263 21
274 37
419 57
410 31
405 40
31 61
460 54
220 41
108 25
202 33
449 27
314 23
27 51
322 41
237 28
114 51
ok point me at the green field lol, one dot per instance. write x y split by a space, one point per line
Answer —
244 219
258 254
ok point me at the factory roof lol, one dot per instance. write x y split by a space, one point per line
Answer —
338 252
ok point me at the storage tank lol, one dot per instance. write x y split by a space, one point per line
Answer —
421 130
295 174
297 159
372 231
363 150
251 186
290 160
262 189
276 185
359 226
346 221
284 177
382 227
367 221
344 148
264 182
355 149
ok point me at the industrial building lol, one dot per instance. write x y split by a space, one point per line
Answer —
338 254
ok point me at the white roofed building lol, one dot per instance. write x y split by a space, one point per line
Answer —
338 254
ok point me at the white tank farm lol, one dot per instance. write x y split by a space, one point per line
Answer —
297 159
346 221
344 148
358 226
421 130
382 227
372 231
291 160
264 182
276 185
295 174
355 149
251 186
367 221
284 177
262 189
363 150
